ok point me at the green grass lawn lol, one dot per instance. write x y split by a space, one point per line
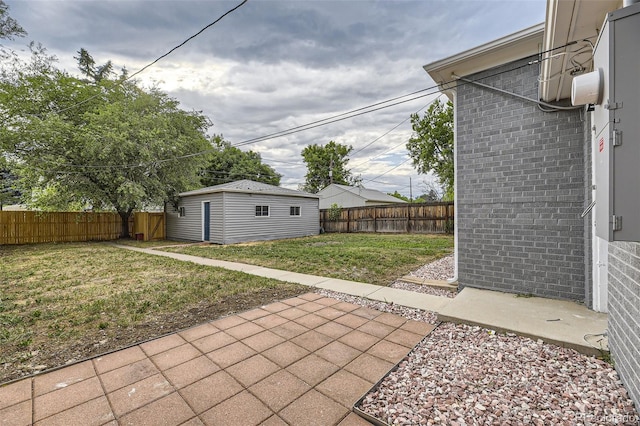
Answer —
371 258
56 296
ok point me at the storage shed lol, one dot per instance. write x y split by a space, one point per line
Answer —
242 211
354 196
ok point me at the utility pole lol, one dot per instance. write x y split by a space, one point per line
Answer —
331 170
410 190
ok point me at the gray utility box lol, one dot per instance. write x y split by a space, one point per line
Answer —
617 127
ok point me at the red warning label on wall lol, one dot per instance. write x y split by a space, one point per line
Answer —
601 145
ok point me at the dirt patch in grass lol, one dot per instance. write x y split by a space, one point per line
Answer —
61 303
372 258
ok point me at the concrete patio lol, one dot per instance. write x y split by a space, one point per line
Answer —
302 361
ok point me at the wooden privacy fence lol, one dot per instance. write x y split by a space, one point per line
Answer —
419 218
150 225
28 227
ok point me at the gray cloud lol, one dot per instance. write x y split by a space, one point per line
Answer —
273 65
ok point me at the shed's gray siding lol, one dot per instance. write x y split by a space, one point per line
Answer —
624 313
233 219
189 227
241 223
520 189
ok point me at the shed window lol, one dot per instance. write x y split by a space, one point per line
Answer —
181 212
294 211
262 211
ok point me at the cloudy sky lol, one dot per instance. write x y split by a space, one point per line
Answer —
273 65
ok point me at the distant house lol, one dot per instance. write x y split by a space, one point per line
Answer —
354 196
242 211
546 192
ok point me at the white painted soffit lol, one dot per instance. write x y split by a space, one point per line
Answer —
568 21
515 46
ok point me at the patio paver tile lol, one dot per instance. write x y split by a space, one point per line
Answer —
330 313
313 409
333 329
367 313
274 421
231 354
270 321
359 340
252 370
20 414
327 301
311 320
139 394
254 314
285 353
404 338
131 373
369 367
377 329
346 306
191 371
345 388
276 307
311 306
168 410
310 296
354 420
175 356
210 391
65 398
244 330
15 393
388 351
92 413
195 333
312 340
312 369
338 353
391 319
289 330
253 411
193 422
295 301
162 344
279 389
214 341
292 313
350 320
228 322
62 378
118 359
418 327
262 341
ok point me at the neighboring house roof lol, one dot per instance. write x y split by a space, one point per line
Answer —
249 187
367 194
498 52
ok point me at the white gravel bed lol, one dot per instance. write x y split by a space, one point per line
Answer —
441 269
466 375
403 311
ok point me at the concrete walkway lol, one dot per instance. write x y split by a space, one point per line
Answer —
559 322
370 291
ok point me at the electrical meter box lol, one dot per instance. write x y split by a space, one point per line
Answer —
617 127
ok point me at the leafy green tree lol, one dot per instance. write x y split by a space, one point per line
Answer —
9 193
431 145
101 142
326 164
399 196
9 27
228 164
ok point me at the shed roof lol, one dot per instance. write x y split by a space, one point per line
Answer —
368 194
249 187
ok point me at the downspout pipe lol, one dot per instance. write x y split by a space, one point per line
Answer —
626 3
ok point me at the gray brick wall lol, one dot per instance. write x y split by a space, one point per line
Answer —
624 313
521 189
